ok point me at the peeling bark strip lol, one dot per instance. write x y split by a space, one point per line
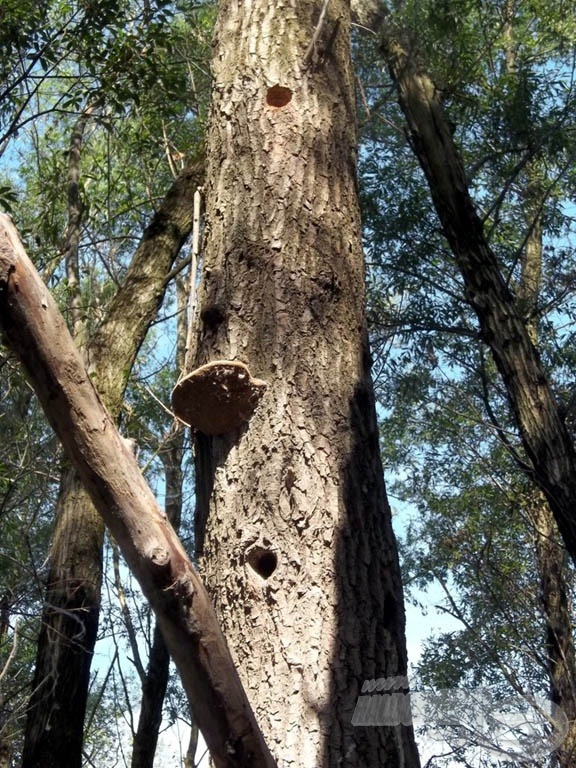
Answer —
37 334
544 434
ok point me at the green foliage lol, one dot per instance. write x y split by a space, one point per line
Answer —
505 73
28 485
115 56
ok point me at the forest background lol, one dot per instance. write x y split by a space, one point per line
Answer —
103 106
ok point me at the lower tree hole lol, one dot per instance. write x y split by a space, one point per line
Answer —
262 561
278 96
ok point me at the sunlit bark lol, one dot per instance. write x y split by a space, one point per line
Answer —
293 522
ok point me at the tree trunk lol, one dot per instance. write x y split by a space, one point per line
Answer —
293 523
508 326
504 329
5 754
57 706
54 726
71 249
556 604
155 683
553 570
153 693
35 331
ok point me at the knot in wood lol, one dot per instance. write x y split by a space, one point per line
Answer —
159 556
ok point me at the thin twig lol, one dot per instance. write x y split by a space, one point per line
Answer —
160 403
312 47
12 653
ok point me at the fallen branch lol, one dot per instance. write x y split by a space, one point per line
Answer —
36 332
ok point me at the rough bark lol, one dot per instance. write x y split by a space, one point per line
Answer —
54 726
37 334
556 604
57 705
293 522
504 329
553 570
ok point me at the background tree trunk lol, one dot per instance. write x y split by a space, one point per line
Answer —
155 682
557 607
153 692
551 557
55 718
508 322
544 434
54 726
57 706
293 523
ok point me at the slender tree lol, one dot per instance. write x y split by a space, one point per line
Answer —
535 139
545 436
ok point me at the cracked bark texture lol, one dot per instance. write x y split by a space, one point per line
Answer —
293 524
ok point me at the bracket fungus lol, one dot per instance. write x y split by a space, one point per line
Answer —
218 397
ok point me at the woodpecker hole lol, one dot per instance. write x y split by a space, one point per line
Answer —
278 96
263 562
212 316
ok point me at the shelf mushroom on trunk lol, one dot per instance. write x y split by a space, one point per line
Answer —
218 397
